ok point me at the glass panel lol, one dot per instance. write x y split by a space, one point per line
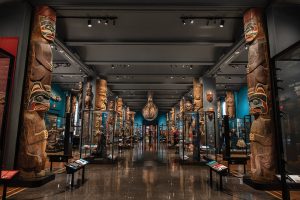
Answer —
288 74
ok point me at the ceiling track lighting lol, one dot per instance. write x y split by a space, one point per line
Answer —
213 21
105 20
90 23
222 23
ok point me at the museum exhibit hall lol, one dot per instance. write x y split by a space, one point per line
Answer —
158 100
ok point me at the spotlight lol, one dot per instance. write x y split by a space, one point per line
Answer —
191 67
183 77
183 22
229 78
207 22
106 22
192 21
222 22
171 77
246 47
237 52
89 23
99 21
113 66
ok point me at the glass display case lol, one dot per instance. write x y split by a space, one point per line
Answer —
56 133
99 141
209 145
189 143
6 65
288 86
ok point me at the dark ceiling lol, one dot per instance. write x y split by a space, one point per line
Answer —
149 48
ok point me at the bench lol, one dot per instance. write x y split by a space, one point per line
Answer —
75 166
219 169
6 176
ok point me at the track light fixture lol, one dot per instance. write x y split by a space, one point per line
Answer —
222 23
212 21
89 23
106 20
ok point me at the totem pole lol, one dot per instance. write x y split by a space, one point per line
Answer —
37 92
87 106
198 102
119 111
181 109
101 97
230 105
198 95
262 138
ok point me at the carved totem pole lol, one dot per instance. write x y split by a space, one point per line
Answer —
80 90
119 111
181 109
33 137
88 96
230 105
101 97
263 158
198 95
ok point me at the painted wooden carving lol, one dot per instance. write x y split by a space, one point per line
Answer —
74 101
198 95
209 96
33 138
150 110
101 97
119 110
181 109
80 90
230 105
263 159
88 96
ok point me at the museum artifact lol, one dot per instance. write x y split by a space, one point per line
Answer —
101 91
150 110
74 100
262 137
111 105
188 106
230 105
181 109
209 96
68 104
119 110
33 137
88 96
198 95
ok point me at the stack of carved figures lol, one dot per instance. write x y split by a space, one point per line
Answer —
33 138
262 138
100 131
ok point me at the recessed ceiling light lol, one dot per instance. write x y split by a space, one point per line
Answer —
237 52
99 21
171 77
192 21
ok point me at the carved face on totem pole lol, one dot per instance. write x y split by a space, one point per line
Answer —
209 96
101 98
119 107
89 96
188 106
111 105
230 107
198 95
263 166
32 155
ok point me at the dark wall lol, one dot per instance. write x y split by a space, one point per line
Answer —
283 23
15 22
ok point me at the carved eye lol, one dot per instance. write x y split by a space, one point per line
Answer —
39 98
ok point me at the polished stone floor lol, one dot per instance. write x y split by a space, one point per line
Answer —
142 175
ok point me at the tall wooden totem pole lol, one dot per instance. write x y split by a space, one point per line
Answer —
263 156
33 138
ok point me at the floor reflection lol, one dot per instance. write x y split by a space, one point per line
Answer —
145 172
